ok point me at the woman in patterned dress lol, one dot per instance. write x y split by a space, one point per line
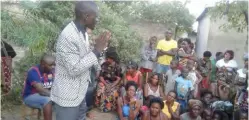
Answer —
186 52
109 83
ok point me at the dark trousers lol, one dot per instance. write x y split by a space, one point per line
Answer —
91 90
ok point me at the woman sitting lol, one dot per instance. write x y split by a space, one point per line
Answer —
172 108
109 84
194 112
226 74
155 110
133 74
153 87
128 105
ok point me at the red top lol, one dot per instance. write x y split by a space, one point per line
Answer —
136 78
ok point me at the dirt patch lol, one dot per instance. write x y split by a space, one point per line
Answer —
15 114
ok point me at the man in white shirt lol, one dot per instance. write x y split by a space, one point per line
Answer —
74 60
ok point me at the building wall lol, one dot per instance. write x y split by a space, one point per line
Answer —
219 40
202 35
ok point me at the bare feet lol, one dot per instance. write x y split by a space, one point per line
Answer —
90 115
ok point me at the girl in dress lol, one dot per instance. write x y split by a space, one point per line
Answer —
149 54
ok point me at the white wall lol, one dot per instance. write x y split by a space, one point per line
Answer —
220 41
210 37
202 35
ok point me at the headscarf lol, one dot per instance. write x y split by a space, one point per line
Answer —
194 102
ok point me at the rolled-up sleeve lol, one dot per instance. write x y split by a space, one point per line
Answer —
68 55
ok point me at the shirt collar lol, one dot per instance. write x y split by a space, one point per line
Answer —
79 26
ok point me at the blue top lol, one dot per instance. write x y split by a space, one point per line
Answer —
183 85
34 75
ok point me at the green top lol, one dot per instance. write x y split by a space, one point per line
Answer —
213 71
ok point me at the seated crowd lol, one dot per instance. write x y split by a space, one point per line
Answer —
186 88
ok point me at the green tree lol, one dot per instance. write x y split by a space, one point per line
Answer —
42 22
167 13
126 40
236 13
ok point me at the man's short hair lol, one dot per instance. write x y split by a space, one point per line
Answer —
207 54
169 30
84 7
48 57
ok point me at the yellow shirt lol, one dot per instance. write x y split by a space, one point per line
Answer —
165 46
166 111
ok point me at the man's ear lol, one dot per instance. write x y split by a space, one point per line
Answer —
42 63
84 16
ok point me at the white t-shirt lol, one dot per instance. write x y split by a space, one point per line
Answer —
230 64
241 73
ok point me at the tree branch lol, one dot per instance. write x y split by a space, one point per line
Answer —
246 16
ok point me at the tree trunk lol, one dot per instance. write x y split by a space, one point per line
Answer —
246 16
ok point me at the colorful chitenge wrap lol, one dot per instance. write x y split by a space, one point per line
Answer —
6 66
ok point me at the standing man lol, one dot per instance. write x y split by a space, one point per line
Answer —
164 58
74 62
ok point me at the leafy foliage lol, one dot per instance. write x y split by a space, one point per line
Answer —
56 12
235 13
38 29
27 31
168 13
123 37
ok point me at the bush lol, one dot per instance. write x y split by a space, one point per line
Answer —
39 28
167 13
26 30
126 40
